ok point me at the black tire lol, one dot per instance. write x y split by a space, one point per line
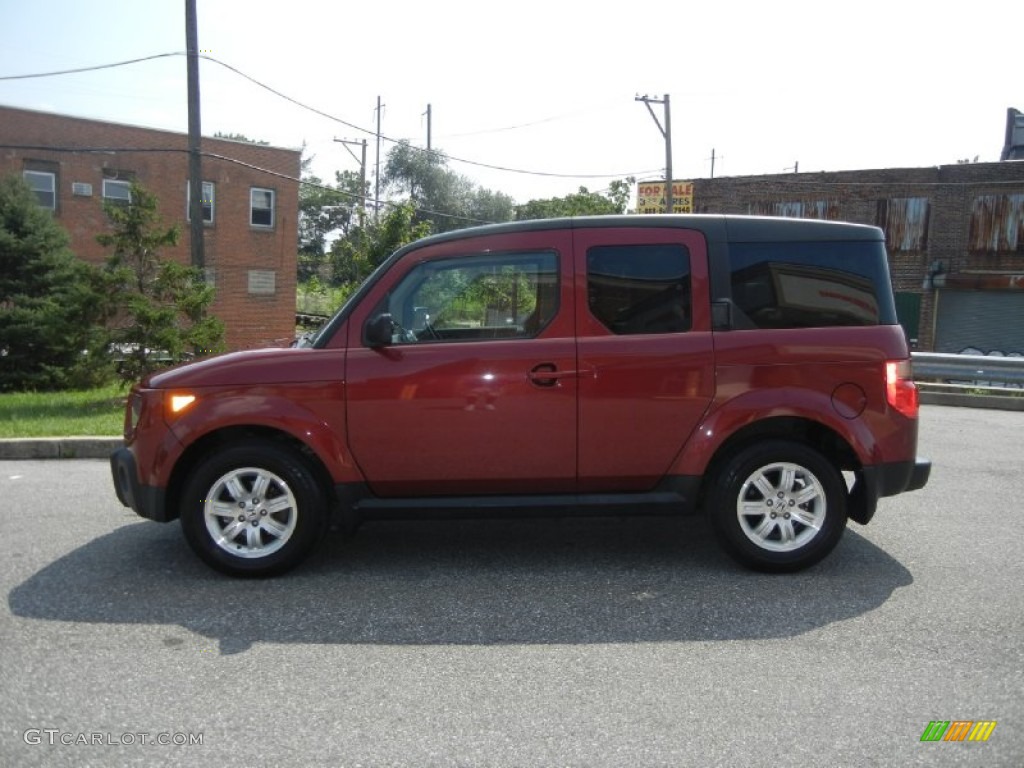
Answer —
778 506
278 510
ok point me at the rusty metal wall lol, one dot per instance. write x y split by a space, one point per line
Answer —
905 221
796 209
997 224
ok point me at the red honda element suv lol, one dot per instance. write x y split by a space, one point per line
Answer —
749 368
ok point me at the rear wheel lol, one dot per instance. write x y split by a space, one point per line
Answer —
778 506
253 510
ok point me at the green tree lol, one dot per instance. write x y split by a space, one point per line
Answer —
157 308
582 203
367 245
50 335
444 198
324 210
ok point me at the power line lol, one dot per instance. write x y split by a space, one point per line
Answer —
93 68
370 132
331 117
551 119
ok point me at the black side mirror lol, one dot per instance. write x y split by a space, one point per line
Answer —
380 330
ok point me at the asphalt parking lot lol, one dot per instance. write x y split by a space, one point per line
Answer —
520 643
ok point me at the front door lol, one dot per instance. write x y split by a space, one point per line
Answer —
476 393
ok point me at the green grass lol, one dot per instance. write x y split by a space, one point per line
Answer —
63 414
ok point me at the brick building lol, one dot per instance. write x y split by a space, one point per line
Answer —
250 215
955 236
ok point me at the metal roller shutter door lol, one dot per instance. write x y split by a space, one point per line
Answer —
985 321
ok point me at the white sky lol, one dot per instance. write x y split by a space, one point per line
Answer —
833 86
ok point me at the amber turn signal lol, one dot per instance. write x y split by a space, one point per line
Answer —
179 403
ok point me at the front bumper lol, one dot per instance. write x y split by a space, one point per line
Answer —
147 501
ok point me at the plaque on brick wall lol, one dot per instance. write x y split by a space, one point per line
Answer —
262 281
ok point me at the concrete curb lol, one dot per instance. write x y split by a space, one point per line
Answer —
59 447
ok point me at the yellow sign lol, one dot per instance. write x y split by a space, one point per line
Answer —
650 197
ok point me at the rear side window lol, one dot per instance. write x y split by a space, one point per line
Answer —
810 285
636 289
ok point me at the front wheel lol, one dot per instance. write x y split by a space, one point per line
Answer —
253 510
778 506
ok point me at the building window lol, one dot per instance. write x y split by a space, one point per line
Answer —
117 191
208 197
44 185
261 207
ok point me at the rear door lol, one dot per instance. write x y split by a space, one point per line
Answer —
477 392
645 351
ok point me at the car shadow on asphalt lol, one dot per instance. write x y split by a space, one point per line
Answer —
466 582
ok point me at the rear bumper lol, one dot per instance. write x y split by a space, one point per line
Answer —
903 476
885 480
145 500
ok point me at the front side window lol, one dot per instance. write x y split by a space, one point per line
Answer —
261 207
117 191
810 285
207 201
474 298
636 289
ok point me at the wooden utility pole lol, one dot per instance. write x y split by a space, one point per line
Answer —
195 165
376 194
428 114
362 165
713 162
666 132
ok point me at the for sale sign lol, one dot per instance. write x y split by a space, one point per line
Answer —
650 197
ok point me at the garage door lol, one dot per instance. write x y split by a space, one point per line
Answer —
982 321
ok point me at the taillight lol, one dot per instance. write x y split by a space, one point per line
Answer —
900 390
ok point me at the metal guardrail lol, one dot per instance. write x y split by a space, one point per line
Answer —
974 371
